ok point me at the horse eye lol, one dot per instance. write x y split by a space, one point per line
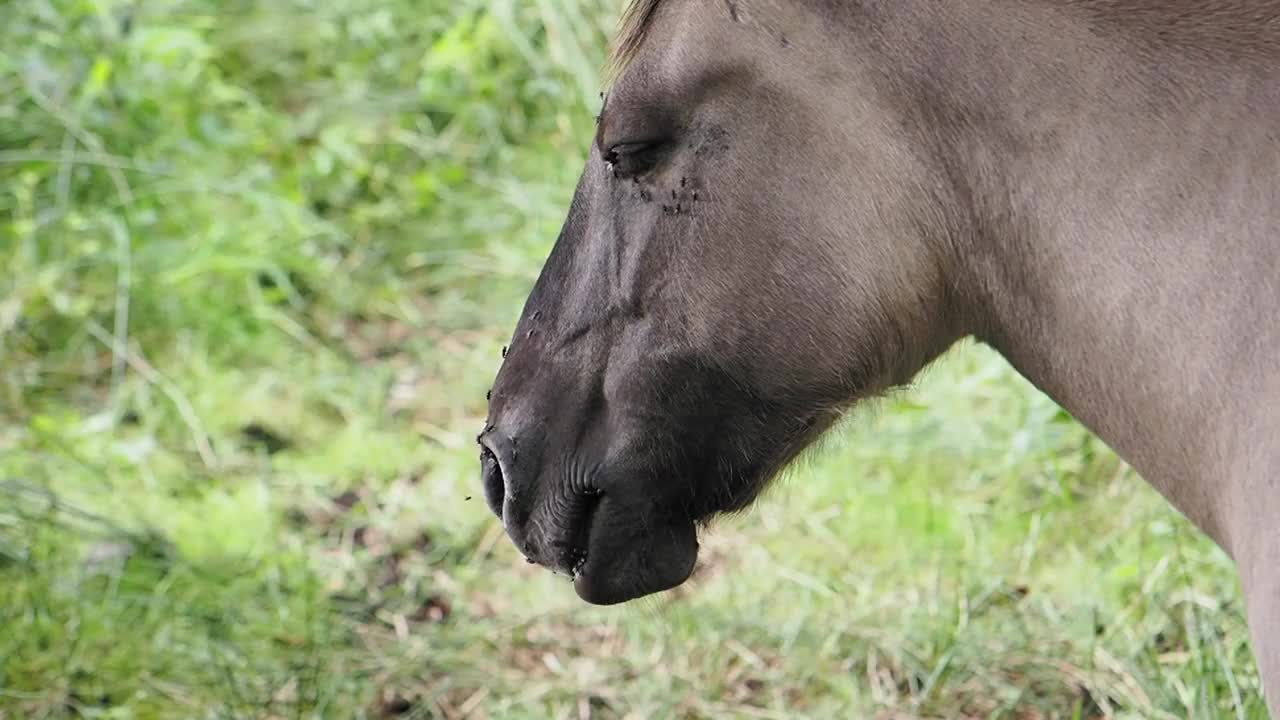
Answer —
632 158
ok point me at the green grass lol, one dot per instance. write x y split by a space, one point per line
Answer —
260 260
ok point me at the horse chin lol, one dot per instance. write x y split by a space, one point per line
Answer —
627 566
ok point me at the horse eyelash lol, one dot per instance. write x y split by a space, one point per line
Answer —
640 154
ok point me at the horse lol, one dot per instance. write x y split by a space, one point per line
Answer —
790 206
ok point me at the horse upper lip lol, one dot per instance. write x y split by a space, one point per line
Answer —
579 525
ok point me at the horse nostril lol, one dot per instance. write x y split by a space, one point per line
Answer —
493 483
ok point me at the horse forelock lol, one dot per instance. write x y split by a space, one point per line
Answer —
632 30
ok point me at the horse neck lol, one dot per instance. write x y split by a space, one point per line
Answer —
1113 210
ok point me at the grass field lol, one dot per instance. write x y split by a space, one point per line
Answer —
260 259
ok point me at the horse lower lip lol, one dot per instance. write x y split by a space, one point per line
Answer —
638 564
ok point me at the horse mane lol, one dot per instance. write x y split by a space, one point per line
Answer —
632 30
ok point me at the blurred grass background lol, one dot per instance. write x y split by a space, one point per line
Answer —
259 261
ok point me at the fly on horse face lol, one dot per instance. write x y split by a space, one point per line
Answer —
790 205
